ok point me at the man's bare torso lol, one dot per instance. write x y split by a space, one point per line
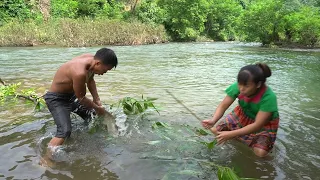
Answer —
63 79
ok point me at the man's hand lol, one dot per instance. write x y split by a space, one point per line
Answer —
100 111
97 102
224 136
207 123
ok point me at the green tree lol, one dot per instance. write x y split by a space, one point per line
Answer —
64 8
303 26
18 9
222 18
262 21
149 12
185 18
112 9
89 8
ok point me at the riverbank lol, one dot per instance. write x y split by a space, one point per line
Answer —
88 32
80 32
291 45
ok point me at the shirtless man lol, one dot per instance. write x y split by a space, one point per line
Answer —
68 90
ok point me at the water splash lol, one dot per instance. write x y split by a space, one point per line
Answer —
120 119
114 122
49 156
58 153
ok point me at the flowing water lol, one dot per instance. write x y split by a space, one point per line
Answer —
195 73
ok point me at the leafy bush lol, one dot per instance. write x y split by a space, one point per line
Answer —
262 21
111 10
149 12
18 9
222 19
185 18
303 26
64 9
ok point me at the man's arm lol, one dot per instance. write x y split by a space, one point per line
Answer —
79 88
93 90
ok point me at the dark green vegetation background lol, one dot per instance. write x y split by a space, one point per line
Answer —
291 23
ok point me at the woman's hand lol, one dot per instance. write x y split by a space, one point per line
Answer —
224 136
207 123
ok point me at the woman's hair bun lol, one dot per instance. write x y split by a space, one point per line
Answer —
265 69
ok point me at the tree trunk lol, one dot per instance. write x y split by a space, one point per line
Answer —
133 7
44 6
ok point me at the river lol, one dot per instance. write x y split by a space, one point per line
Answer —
195 73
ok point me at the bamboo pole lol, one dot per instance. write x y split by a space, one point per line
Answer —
178 101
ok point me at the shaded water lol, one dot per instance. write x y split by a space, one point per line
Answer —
197 74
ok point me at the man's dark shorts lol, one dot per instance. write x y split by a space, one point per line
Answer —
61 105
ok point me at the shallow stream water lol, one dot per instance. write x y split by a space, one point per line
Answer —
195 73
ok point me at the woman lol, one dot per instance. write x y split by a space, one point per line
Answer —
255 120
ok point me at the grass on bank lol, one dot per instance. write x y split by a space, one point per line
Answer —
80 32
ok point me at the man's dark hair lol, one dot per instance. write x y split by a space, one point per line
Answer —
107 57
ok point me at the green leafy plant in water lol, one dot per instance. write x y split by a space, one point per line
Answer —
38 100
158 124
162 127
226 173
8 91
11 91
210 145
132 106
201 132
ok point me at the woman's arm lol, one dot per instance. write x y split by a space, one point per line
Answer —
221 109
261 119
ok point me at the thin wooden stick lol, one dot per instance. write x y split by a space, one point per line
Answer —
27 98
178 101
20 95
2 82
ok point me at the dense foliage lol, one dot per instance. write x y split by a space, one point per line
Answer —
271 22
9 91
